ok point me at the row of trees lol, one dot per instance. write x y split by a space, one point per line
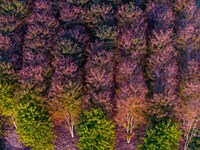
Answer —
140 66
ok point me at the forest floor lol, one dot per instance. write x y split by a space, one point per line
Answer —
11 140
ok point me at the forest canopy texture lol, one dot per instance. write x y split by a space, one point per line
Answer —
100 74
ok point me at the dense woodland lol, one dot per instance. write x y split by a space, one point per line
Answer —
99 74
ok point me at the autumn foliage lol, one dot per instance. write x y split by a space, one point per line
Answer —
110 74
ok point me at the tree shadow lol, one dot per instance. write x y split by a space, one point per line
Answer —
2 144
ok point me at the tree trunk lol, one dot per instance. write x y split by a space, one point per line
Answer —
14 122
71 131
128 140
186 145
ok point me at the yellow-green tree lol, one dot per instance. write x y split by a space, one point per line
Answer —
164 136
34 122
96 131
7 88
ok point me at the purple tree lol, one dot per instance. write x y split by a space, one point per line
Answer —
100 55
12 15
131 91
5 42
72 11
188 30
188 112
38 44
69 54
66 88
99 77
68 58
162 61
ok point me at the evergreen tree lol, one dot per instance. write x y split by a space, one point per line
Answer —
34 122
96 131
164 136
7 89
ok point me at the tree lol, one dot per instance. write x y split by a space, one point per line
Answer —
164 136
163 66
195 142
41 27
68 59
99 79
12 13
12 16
130 115
131 89
33 121
96 132
189 116
100 61
188 112
72 11
7 89
187 28
67 106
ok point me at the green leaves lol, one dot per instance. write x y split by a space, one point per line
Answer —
96 131
12 13
164 136
7 87
15 8
106 32
34 123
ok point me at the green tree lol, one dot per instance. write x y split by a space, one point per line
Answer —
164 136
96 131
34 122
7 88
195 142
